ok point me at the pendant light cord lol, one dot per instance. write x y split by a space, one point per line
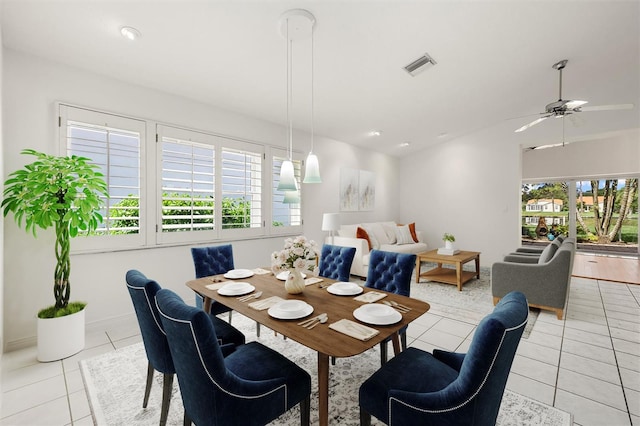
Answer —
289 90
312 103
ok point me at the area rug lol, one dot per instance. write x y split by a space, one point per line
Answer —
115 386
471 304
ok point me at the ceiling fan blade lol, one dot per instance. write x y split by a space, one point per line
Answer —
607 107
576 120
574 104
533 123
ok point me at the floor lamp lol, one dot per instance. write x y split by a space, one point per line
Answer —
331 222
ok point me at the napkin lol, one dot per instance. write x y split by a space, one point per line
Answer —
216 286
261 305
370 297
353 329
312 280
260 271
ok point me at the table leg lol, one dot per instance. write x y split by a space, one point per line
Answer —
323 389
395 341
417 270
459 275
478 266
206 304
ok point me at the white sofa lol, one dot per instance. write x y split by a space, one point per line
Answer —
382 236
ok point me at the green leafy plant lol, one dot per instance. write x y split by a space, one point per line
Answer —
60 192
448 237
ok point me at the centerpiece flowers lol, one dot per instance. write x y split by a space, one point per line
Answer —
299 254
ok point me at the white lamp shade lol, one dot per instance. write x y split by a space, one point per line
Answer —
330 222
291 197
312 170
287 178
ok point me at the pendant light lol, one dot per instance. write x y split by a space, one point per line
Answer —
312 167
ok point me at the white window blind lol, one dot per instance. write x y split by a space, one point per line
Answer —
241 182
115 144
188 186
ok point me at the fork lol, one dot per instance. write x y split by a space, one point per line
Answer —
250 296
397 308
398 305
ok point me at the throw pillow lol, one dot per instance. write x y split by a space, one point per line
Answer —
412 229
390 230
361 233
403 235
373 239
379 235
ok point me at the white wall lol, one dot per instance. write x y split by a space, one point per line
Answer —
616 155
32 86
1 217
469 187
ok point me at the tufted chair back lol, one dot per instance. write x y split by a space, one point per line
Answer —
212 260
448 388
251 386
143 292
335 262
390 271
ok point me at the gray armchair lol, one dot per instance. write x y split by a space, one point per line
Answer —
545 283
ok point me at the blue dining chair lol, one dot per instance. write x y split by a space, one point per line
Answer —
143 292
447 388
252 386
335 262
391 271
213 260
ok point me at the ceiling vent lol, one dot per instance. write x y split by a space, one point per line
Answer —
422 63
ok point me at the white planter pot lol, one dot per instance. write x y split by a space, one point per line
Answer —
59 338
448 245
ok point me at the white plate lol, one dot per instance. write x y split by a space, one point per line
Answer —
236 289
342 288
290 309
282 276
378 314
236 274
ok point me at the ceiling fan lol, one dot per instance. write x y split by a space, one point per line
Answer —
564 107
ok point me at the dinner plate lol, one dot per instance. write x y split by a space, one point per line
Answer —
237 288
290 309
282 276
378 314
236 274
342 288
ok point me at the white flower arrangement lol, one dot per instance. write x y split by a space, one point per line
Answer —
297 253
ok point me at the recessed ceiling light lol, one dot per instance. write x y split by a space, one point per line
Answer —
404 144
376 133
130 33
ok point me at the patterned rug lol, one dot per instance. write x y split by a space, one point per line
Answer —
115 386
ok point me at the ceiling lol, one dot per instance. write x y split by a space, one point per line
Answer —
493 61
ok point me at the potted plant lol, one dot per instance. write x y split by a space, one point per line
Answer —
63 193
448 239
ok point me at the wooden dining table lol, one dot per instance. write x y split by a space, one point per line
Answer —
325 341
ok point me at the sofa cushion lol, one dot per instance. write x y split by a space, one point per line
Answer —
403 235
412 229
379 235
390 230
547 253
414 248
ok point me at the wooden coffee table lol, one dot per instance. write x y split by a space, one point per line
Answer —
448 275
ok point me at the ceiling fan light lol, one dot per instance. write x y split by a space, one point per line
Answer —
312 169
287 178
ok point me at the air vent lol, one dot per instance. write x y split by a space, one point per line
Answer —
422 63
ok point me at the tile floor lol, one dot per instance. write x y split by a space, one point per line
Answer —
587 364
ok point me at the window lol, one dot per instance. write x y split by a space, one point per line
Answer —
185 187
115 144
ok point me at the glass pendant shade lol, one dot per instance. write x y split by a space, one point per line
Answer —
312 170
287 177
291 197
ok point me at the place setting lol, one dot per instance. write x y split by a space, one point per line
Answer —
238 274
290 309
342 288
236 288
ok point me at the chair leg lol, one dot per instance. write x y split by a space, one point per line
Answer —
258 329
167 387
147 389
230 312
403 341
186 420
305 411
383 353
333 360
365 418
